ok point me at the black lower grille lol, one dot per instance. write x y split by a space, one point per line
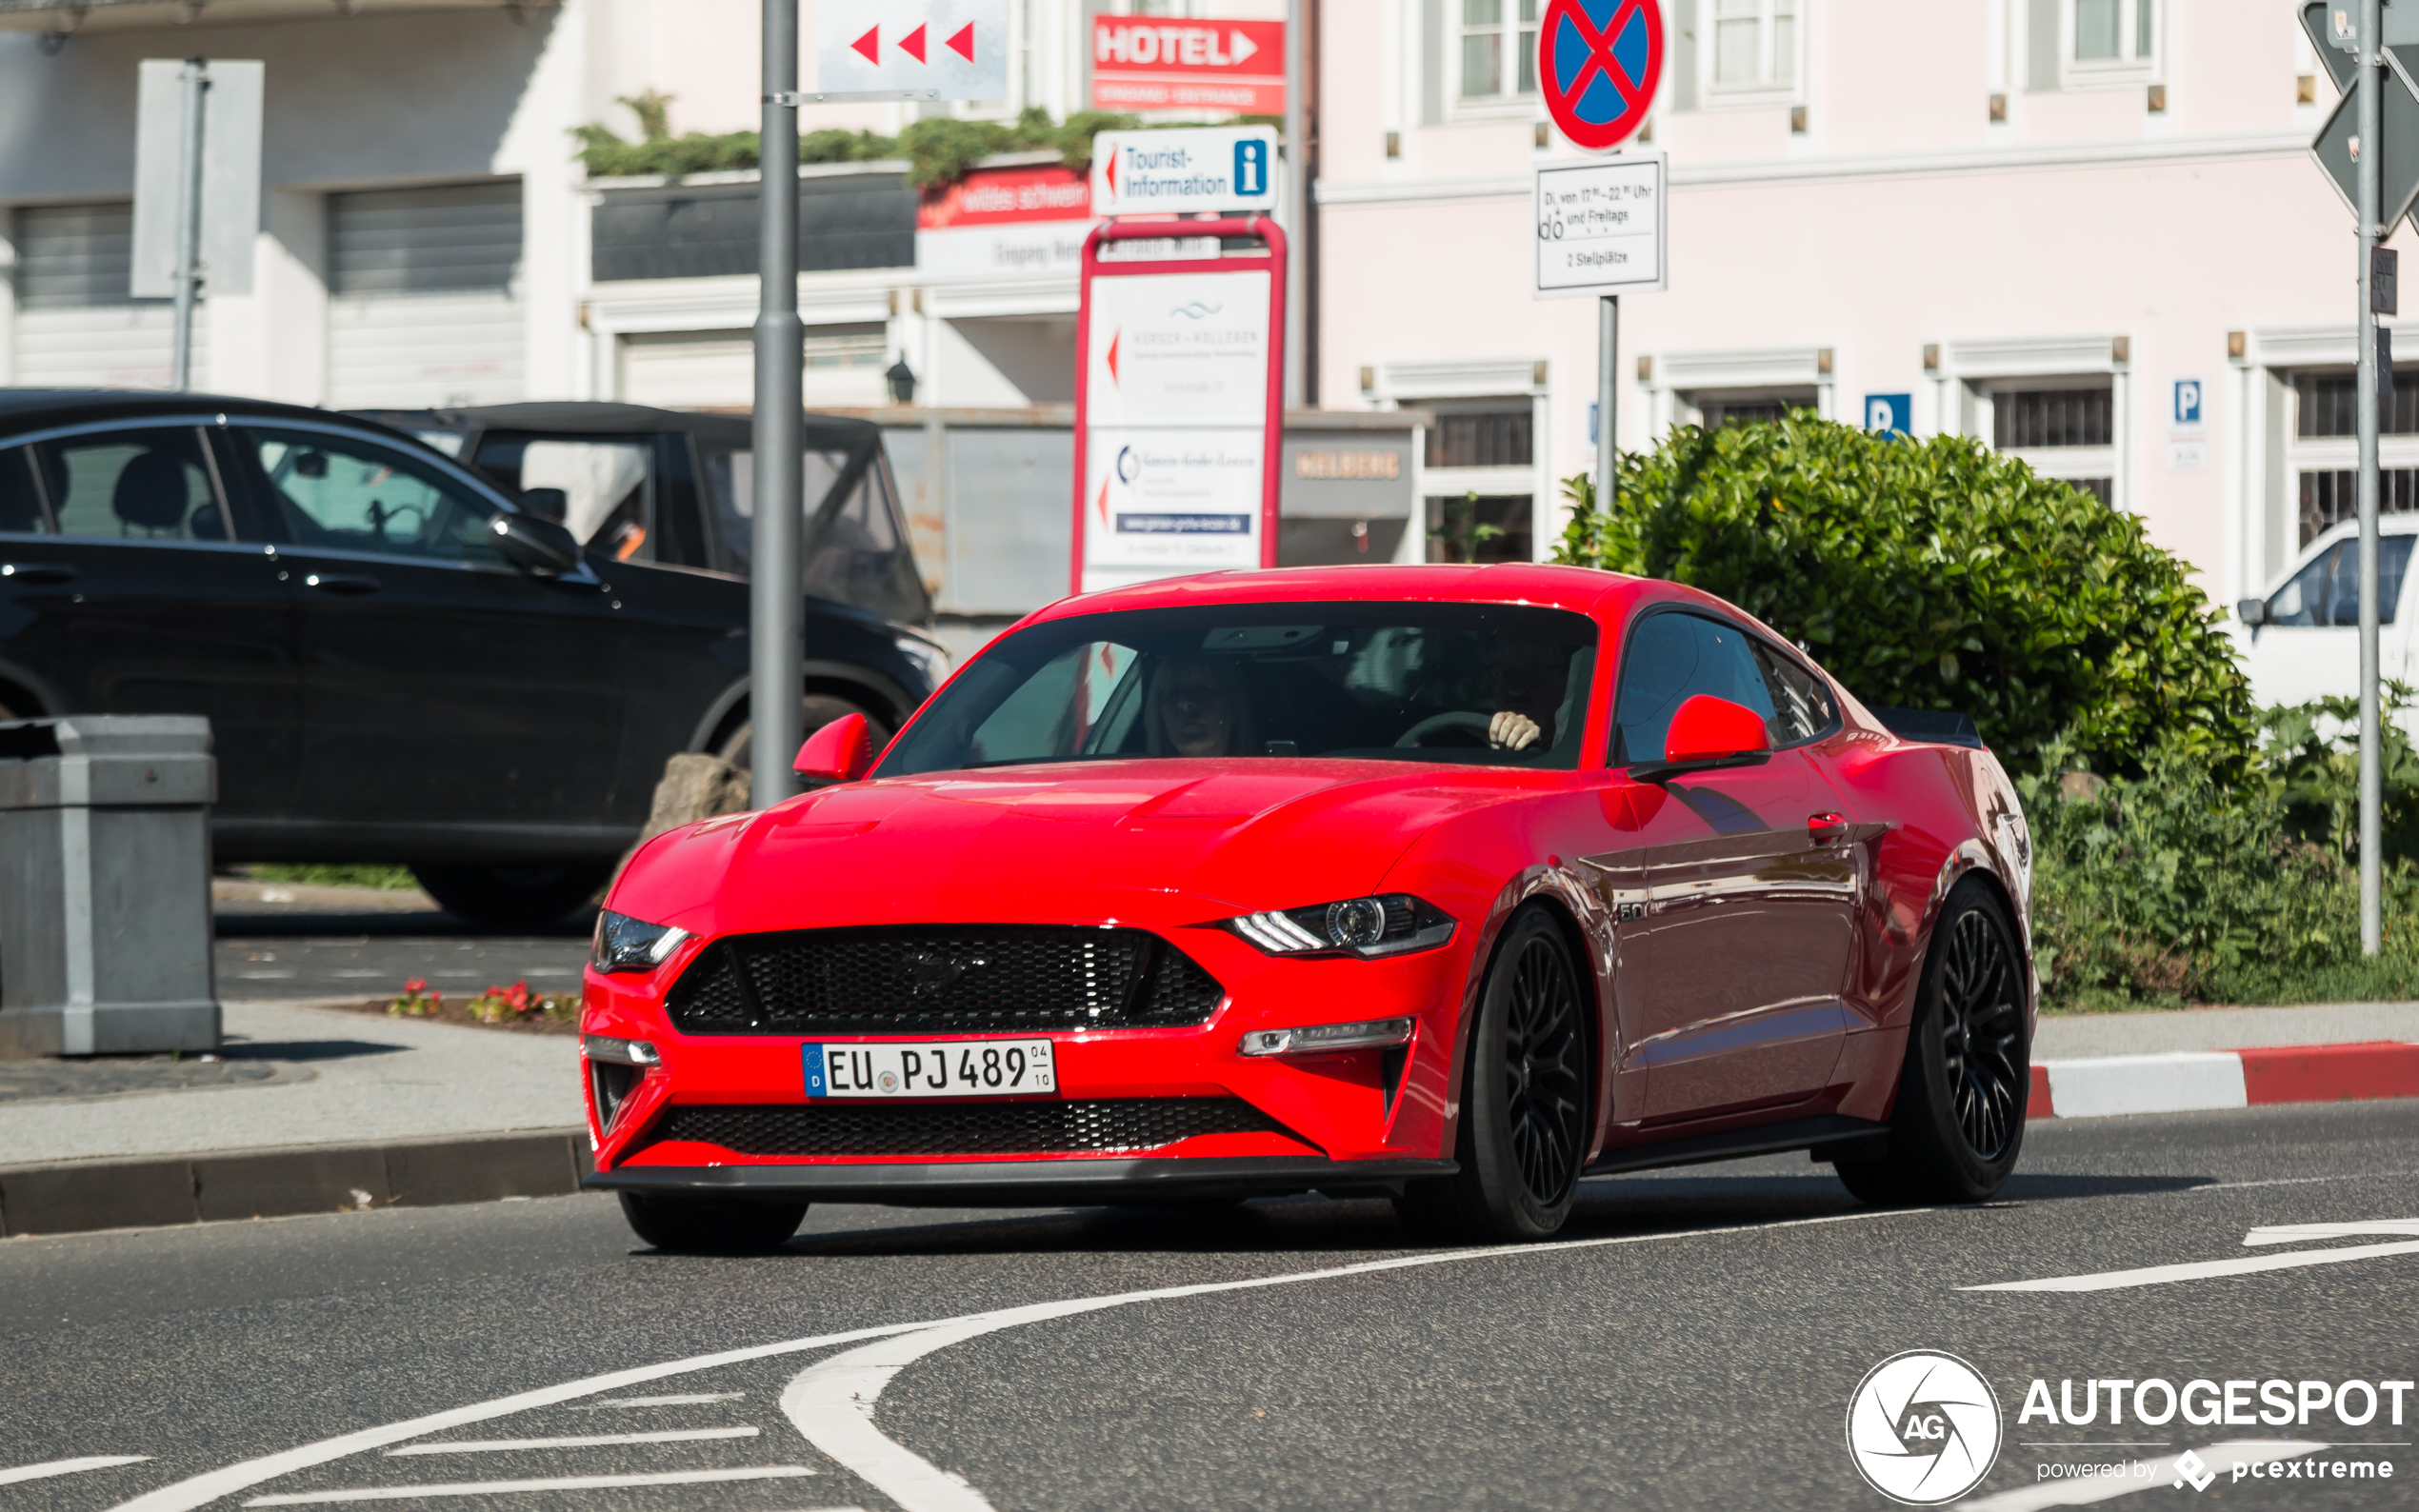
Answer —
941 979
1094 1125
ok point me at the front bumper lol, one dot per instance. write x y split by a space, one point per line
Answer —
1023 1184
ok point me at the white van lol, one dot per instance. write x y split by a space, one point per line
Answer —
2302 641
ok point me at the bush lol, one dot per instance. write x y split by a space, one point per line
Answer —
1938 574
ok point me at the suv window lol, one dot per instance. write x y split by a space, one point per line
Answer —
21 511
146 485
601 489
1672 657
359 495
2328 590
1801 704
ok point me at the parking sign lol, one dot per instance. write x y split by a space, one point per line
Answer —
1891 414
2187 402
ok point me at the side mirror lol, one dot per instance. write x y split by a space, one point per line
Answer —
1708 733
548 504
2252 612
537 547
841 751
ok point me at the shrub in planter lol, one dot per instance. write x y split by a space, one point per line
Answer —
1938 574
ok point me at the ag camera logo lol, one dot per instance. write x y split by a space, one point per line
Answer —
1924 1427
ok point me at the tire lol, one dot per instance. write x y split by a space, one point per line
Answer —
819 711
526 897
711 1226
1958 1123
1524 1127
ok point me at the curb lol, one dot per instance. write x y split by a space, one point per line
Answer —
2196 1081
81 1196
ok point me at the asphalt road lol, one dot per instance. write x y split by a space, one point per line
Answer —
311 952
1697 1345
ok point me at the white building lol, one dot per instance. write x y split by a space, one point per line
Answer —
2033 218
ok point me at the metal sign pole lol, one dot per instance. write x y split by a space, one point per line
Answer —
775 670
1297 200
189 226
1608 398
2372 83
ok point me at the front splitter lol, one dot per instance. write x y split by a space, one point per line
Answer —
1023 1184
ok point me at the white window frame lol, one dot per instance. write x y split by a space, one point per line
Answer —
1519 40
2132 66
2073 464
1780 67
2325 454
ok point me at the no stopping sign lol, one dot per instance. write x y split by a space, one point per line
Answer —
1598 62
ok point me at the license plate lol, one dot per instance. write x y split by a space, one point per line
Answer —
932 1068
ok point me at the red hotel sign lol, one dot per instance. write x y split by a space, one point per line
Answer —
1158 63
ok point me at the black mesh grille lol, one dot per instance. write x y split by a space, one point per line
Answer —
923 980
1085 1126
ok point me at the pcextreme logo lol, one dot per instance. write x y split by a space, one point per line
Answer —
1924 1427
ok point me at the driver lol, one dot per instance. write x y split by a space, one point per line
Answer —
1198 708
1526 680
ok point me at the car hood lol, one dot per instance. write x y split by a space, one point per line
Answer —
1166 841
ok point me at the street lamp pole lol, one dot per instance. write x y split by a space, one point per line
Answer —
775 666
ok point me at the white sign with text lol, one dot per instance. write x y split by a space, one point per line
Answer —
1600 226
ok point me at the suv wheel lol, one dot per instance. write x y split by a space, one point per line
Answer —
507 897
817 712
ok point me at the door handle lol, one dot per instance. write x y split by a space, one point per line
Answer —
1826 829
35 572
342 581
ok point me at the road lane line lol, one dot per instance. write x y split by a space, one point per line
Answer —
2161 1475
560 1482
2298 1233
575 1441
677 1398
832 1400
51 1467
2300 1181
2198 1270
201 1490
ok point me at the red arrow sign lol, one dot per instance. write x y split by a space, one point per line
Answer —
912 44
870 44
963 43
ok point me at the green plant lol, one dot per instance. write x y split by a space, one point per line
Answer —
419 1000
1938 574
1459 532
517 1004
324 874
2312 753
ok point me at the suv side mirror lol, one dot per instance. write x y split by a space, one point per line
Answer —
539 547
548 504
2252 612
841 751
1708 732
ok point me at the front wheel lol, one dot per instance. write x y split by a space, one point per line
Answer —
1523 1128
1959 1120
711 1225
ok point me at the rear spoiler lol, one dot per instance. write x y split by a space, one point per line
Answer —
1937 727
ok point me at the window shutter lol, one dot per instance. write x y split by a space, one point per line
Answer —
1683 55
1436 47
2041 43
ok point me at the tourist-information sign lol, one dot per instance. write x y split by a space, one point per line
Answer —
1185 171
1600 226
1598 62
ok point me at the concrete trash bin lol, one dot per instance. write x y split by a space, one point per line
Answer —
105 901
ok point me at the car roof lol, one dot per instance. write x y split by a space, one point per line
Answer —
22 408
604 418
1581 591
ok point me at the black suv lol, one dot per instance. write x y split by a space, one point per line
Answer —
399 661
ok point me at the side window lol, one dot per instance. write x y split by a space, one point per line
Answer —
1671 658
21 511
601 489
358 495
1800 705
141 484
2304 600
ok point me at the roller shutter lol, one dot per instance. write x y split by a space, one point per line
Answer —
425 296
76 327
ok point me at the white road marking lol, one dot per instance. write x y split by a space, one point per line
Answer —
2199 1270
575 1441
2299 1181
51 1467
360 974
201 1490
832 1400
560 1482
678 1398
2160 1474
2297 1233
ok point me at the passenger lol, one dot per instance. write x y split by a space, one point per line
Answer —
1528 681
1198 707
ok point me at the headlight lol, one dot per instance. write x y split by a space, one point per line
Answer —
1384 926
930 659
624 943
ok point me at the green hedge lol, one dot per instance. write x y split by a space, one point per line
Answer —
1938 574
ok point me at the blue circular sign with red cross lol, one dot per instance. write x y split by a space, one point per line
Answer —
1598 62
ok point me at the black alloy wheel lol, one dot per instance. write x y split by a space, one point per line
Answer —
815 710
1958 1123
711 1225
1523 1126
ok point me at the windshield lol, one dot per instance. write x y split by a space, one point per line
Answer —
1499 685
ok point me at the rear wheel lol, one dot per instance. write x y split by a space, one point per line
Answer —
817 712
507 897
1958 1125
711 1226
1524 1127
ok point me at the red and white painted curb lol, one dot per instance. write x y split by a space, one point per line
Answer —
2188 1081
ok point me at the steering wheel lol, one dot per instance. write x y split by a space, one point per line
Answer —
1456 718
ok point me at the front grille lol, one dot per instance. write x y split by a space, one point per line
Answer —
941 979
1096 1125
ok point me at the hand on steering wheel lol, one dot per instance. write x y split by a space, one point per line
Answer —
1512 731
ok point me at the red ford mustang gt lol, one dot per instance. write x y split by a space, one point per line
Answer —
1455 884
